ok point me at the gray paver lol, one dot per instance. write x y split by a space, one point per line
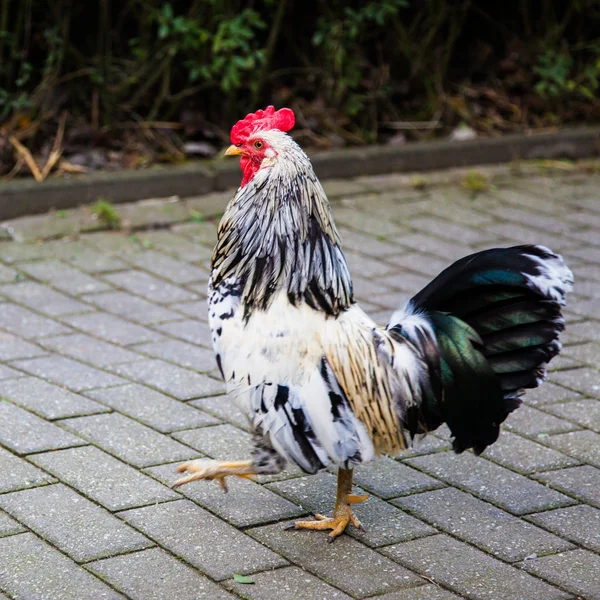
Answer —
491 482
223 442
64 277
364 572
188 330
166 267
203 540
17 474
73 524
525 456
583 412
46 574
21 321
549 393
8 373
67 372
129 440
88 349
8 526
580 380
181 353
12 347
289 583
132 307
582 445
108 481
112 328
155 575
245 504
223 408
469 571
577 571
170 379
582 482
176 245
424 592
42 299
7 275
152 408
481 524
24 433
581 524
47 400
383 523
532 422
388 478
157 290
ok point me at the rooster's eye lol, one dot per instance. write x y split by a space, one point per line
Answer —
258 145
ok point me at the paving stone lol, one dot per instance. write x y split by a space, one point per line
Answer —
156 290
156 575
166 267
12 347
170 379
481 524
46 574
152 408
132 307
585 330
374 246
153 211
83 256
580 380
582 482
384 523
88 349
525 456
584 412
47 400
24 433
587 353
113 243
532 422
42 299
7 275
365 572
468 571
247 503
577 571
8 373
548 394
388 478
424 592
580 524
181 353
129 440
23 322
17 474
197 309
112 328
223 408
190 330
289 583
176 245
67 372
64 277
582 445
184 529
102 478
222 442
8 526
428 445
73 524
490 482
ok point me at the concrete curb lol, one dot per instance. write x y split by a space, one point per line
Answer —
18 198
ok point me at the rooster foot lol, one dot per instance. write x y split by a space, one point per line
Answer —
207 468
342 517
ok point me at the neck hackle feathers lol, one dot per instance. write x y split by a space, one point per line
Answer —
262 120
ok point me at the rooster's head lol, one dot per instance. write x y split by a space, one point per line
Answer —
257 139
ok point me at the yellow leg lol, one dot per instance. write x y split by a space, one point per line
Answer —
342 515
207 468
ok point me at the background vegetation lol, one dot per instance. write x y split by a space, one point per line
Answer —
113 83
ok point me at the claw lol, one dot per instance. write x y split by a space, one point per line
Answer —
206 468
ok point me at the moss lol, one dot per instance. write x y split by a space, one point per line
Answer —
475 182
106 213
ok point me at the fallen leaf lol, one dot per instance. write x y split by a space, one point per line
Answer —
242 578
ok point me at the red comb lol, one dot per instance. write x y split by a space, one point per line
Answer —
283 119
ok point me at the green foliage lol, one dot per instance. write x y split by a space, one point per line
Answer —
106 213
475 182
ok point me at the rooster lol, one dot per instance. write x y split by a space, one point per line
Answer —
319 381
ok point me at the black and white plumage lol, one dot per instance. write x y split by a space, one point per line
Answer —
320 382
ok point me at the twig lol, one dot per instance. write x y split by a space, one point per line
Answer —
67 167
56 151
26 156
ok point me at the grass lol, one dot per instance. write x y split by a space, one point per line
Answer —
475 182
106 213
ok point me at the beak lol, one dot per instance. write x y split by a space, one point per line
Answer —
233 151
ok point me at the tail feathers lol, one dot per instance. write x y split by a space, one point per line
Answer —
502 331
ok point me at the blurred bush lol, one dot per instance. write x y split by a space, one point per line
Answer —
355 72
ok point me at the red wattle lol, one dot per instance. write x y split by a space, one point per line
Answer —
249 169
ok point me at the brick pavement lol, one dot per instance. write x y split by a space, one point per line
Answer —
107 381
